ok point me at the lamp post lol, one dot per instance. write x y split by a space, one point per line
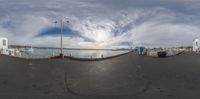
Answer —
61 36
61 39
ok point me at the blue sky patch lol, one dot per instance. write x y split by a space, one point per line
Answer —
57 31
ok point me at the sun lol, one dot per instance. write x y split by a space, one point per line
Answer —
101 37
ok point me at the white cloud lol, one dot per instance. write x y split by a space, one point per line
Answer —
102 23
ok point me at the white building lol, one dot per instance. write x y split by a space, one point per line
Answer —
3 45
196 45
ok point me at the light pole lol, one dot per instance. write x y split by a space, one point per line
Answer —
61 39
61 36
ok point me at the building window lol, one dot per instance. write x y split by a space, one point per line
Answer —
196 43
4 42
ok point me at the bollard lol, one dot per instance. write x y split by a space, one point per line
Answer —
61 56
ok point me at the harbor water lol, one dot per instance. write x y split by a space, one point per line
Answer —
44 53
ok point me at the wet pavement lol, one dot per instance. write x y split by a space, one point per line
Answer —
124 77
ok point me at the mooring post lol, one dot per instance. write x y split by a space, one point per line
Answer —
61 56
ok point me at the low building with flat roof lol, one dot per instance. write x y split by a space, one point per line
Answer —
196 45
3 45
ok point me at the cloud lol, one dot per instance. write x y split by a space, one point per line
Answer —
101 23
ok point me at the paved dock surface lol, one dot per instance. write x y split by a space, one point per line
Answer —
130 76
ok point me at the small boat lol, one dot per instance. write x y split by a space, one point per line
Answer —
27 50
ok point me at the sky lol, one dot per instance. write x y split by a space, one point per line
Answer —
100 23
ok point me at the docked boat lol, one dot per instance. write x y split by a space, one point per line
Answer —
27 50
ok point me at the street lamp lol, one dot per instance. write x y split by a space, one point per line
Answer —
61 35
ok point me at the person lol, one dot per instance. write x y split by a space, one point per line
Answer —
101 55
10 52
1 51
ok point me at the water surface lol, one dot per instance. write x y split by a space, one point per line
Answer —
40 53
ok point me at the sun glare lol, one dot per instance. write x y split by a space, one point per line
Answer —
101 37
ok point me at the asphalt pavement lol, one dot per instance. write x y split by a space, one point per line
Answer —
129 76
